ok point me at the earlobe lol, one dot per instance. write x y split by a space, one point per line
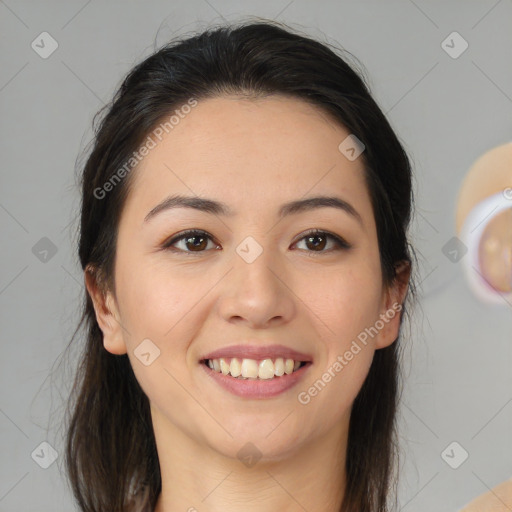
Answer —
393 299
107 314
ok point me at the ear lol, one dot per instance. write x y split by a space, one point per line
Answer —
392 304
107 314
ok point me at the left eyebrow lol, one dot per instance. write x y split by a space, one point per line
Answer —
312 203
217 208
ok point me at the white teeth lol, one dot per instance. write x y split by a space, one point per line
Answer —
279 367
251 369
234 368
224 367
266 369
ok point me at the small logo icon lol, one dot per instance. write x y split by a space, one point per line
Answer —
44 250
351 147
44 45
249 249
454 455
454 249
146 352
44 455
249 455
454 45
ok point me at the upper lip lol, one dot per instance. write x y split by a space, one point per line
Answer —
258 352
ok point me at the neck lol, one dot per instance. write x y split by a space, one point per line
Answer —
196 478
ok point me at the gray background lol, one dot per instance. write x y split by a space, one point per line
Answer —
446 111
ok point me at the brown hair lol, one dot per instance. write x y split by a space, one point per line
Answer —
111 455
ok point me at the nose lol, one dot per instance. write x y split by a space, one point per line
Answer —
258 293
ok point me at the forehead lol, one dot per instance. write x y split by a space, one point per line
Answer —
250 154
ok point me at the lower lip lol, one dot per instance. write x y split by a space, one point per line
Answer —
257 388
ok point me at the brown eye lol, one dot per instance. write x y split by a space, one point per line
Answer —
196 241
191 241
316 241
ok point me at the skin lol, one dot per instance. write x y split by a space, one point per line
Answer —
253 155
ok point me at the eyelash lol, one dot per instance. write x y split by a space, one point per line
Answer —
190 233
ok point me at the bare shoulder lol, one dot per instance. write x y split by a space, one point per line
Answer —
498 499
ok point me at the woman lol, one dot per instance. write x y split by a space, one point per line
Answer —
244 244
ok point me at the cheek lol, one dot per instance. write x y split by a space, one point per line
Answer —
159 307
345 303
168 307
154 302
345 300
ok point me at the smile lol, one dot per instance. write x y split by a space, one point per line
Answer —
252 378
253 368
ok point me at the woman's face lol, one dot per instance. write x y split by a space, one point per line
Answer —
254 277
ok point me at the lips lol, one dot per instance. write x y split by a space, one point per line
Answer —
255 388
257 352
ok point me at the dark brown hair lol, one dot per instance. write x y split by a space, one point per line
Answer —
111 456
